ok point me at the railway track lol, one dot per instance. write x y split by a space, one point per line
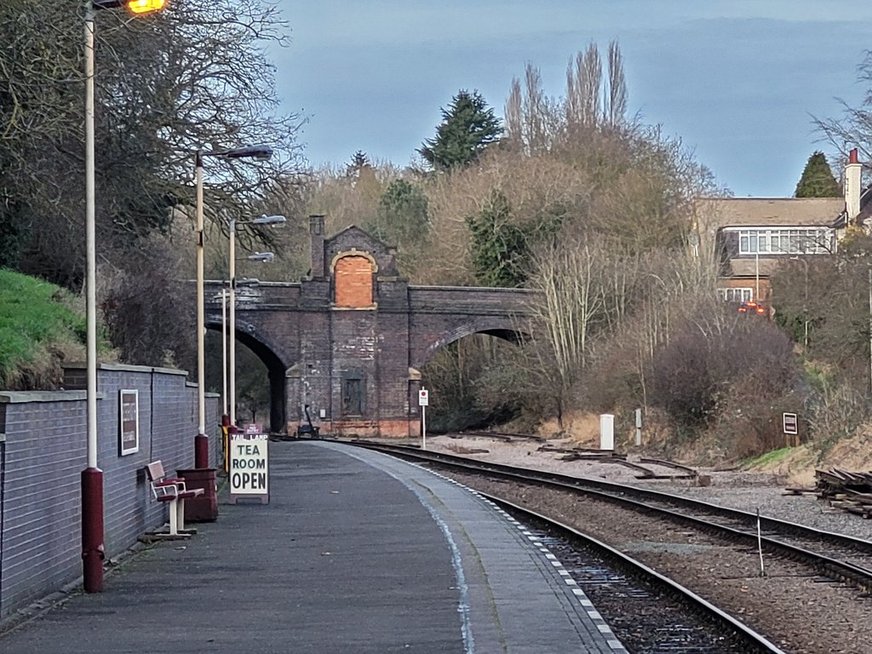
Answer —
647 611
835 556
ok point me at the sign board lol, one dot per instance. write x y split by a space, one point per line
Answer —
128 422
253 428
790 424
423 397
249 467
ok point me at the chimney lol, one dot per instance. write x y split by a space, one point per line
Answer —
316 234
852 186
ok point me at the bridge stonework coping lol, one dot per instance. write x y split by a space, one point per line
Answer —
356 362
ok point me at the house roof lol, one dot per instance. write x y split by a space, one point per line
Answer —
714 213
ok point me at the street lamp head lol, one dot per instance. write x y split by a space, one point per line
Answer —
138 7
263 257
259 152
144 6
269 220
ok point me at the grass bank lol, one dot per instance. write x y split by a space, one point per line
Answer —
40 327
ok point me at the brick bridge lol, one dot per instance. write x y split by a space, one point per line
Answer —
350 339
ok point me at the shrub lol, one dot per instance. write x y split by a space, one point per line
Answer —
701 372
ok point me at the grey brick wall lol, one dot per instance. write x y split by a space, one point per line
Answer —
44 452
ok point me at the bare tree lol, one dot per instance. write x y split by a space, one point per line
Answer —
536 110
192 77
572 302
854 128
616 93
538 123
589 73
514 115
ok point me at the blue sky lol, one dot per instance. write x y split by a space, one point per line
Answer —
736 80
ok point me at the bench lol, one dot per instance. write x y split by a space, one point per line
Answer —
173 491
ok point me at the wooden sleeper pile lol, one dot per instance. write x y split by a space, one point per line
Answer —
848 491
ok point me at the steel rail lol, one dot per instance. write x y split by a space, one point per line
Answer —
754 641
630 495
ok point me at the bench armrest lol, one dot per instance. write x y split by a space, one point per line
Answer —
168 489
168 482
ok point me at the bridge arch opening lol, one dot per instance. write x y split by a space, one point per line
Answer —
462 369
501 330
260 376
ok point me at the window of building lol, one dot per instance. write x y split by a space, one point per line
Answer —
352 397
737 295
793 240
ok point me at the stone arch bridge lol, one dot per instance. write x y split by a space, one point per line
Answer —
349 340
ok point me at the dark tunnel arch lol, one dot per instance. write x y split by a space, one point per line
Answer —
247 335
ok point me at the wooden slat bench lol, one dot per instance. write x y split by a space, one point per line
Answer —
173 491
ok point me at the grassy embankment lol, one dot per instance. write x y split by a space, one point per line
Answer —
41 326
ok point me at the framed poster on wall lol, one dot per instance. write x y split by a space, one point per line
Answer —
128 422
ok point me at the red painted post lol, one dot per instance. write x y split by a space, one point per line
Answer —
93 551
201 451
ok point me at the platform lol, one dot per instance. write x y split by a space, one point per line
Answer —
356 552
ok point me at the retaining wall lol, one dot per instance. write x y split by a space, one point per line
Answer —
43 451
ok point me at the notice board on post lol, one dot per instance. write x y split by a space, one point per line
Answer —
249 467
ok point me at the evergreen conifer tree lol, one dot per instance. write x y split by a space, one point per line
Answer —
468 127
817 179
499 247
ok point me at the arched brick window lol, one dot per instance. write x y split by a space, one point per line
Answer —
353 279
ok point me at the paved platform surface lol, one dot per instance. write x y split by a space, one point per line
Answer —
355 553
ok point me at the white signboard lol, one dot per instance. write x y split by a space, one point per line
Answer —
128 422
423 397
249 467
790 424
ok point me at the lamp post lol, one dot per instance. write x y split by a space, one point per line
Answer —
223 296
264 257
804 262
260 152
92 476
258 256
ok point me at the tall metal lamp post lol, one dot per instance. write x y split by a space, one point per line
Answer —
92 476
260 152
258 256
263 257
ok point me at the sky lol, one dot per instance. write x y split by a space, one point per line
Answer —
738 81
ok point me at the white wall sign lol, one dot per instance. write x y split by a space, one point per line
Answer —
128 421
249 467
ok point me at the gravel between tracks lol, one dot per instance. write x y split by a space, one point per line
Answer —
742 490
799 612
